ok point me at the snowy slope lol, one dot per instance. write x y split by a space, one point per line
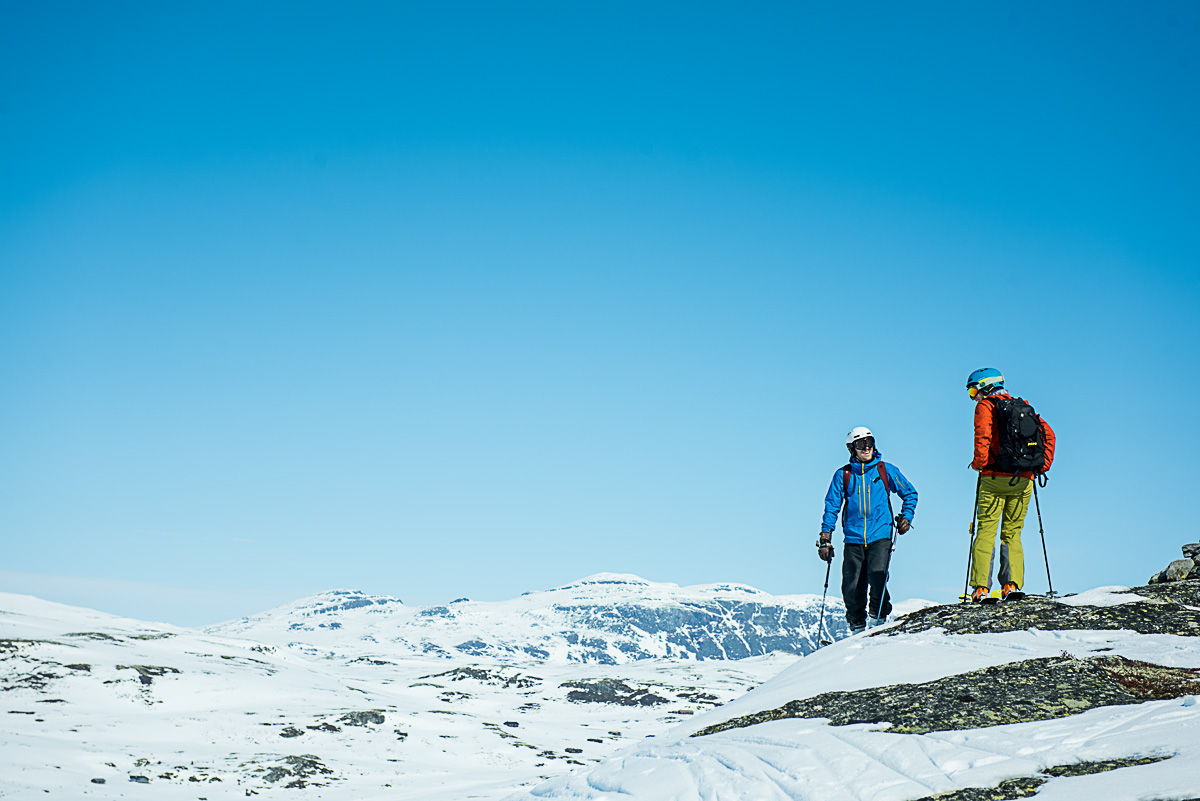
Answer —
322 711
808 758
375 701
605 619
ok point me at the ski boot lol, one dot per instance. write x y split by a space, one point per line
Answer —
1010 592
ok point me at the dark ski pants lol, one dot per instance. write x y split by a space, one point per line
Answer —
863 568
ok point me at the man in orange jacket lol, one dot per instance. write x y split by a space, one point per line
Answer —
1013 445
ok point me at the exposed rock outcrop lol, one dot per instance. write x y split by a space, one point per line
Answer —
1186 568
1167 613
1025 787
1017 692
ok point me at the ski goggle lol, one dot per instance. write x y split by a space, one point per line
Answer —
973 390
864 444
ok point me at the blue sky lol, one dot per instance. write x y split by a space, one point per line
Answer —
464 299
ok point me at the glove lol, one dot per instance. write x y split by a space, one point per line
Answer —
825 546
902 524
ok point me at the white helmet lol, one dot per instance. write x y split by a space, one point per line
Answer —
857 433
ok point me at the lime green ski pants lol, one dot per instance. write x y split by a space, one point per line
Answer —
998 498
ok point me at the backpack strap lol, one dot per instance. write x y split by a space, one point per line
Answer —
845 493
883 475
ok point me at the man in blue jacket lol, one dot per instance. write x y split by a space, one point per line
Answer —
860 492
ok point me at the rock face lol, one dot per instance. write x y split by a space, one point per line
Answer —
1186 568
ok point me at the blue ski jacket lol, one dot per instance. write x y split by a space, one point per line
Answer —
867 518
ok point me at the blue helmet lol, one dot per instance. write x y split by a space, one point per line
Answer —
985 381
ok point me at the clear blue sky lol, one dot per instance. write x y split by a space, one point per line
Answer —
468 299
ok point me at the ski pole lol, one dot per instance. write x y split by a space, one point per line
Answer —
887 566
887 572
824 592
971 531
1045 556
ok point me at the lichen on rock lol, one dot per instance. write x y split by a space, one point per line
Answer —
1167 613
1017 692
1026 786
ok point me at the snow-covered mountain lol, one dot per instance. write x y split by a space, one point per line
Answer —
605 619
351 697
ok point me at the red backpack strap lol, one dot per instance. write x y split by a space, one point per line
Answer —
845 493
883 475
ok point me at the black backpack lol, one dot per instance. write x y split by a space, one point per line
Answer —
1019 437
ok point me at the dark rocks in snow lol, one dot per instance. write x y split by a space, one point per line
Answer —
1025 787
8 647
697 697
1017 692
342 600
494 677
301 769
291 731
362 718
36 680
473 647
148 673
324 726
610 691
92 635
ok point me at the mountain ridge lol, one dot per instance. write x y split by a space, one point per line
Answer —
605 618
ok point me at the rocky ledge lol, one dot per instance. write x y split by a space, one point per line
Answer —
1172 608
1026 786
1019 692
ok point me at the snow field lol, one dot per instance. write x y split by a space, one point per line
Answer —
802 759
